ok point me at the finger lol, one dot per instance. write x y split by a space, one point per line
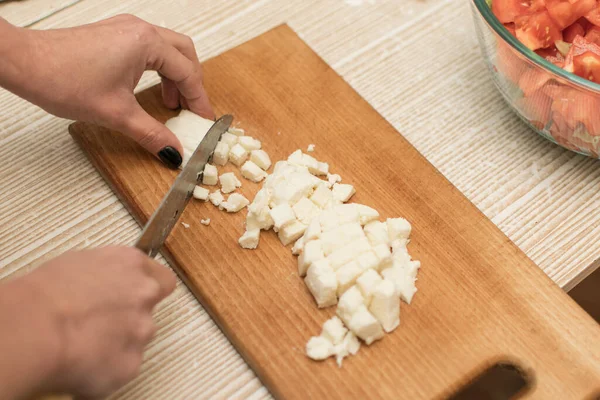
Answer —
181 42
153 136
170 93
187 76
163 276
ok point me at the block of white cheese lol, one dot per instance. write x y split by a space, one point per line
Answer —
238 155
385 305
367 283
305 210
319 348
338 237
348 252
346 276
368 260
322 283
235 202
398 228
342 192
249 143
403 283
332 179
298 245
229 138
201 193
348 303
312 252
365 325
377 233
216 198
322 197
236 131
210 175
190 129
260 219
366 214
313 231
253 172
250 239
282 215
291 232
334 330
221 154
205 221
260 158
229 182
384 255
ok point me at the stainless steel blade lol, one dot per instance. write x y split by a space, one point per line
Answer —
170 209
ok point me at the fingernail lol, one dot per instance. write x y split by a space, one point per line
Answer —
170 157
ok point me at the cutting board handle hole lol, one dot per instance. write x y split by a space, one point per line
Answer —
502 381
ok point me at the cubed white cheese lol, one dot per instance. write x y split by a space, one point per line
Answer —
368 260
210 175
366 214
310 148
342 192
295 157
312 252
292 189
249 143
383 253
250 239
332 179
236 131
322 197
346 276
347 213
335 238
305 210
229 139
221 154
238 155
367 283
349 252
229 182
321 282
291 232
235 202
403 283
260 158
385 305
350 301
313 231
365 325
253 172
282 215
334 330
349 346
398 228
298 246
259 219
205 221
201 193
322 168
377 233
319 348
311 163
400 258
399 245
216 198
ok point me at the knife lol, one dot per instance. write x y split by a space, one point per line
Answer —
170 209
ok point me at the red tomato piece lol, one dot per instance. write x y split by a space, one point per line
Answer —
593 35
573 30
507 10
594 16
584 59
537 31
565 13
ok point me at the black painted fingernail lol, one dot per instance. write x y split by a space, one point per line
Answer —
170 157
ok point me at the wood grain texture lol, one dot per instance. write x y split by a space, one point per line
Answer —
29 12
479 295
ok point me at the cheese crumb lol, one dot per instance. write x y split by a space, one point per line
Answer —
253 172
229 182
236 131
205 221
260 158
221 154
342 192
250 239
216 198
334 330
209 177
319 348
186 226
238 155
298 246
398 228
201 193
349 346
310 148
332 179
235 203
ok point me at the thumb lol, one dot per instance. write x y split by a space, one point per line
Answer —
153 136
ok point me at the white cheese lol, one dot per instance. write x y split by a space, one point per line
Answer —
332 179
298 246
238 155
346 276
311 163
259 219
347 213
235 202
322 284
319 348
349 252
296 157
383 253
398 228
205 221
201 193
229 139
249 143
348 303
342 192
368 260
190 129
253 172
236 131
349 346
250 239
365 325
334 330
260 158
322 197
312 252
377 233
399 245
186 226
310 148
282 215
216 198
403 283
210 175
313 231
229 182
221 154
322 168
385 305
367 283
291 232
305 210
366 214
335 238
261 200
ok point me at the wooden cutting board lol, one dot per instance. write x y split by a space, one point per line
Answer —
480 299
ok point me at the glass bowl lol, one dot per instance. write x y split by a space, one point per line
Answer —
562 107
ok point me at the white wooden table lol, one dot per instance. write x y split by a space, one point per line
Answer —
416 61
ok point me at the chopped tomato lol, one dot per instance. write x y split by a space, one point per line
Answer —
594 16
511 28
533 80
584 59
536 108
593 35
565 13
537 31
573 30
507 10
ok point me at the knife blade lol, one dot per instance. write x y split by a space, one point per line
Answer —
171 207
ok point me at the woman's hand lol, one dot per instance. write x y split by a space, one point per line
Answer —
79 323
89 73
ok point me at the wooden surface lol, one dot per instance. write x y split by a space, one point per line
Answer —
479 295
432 87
